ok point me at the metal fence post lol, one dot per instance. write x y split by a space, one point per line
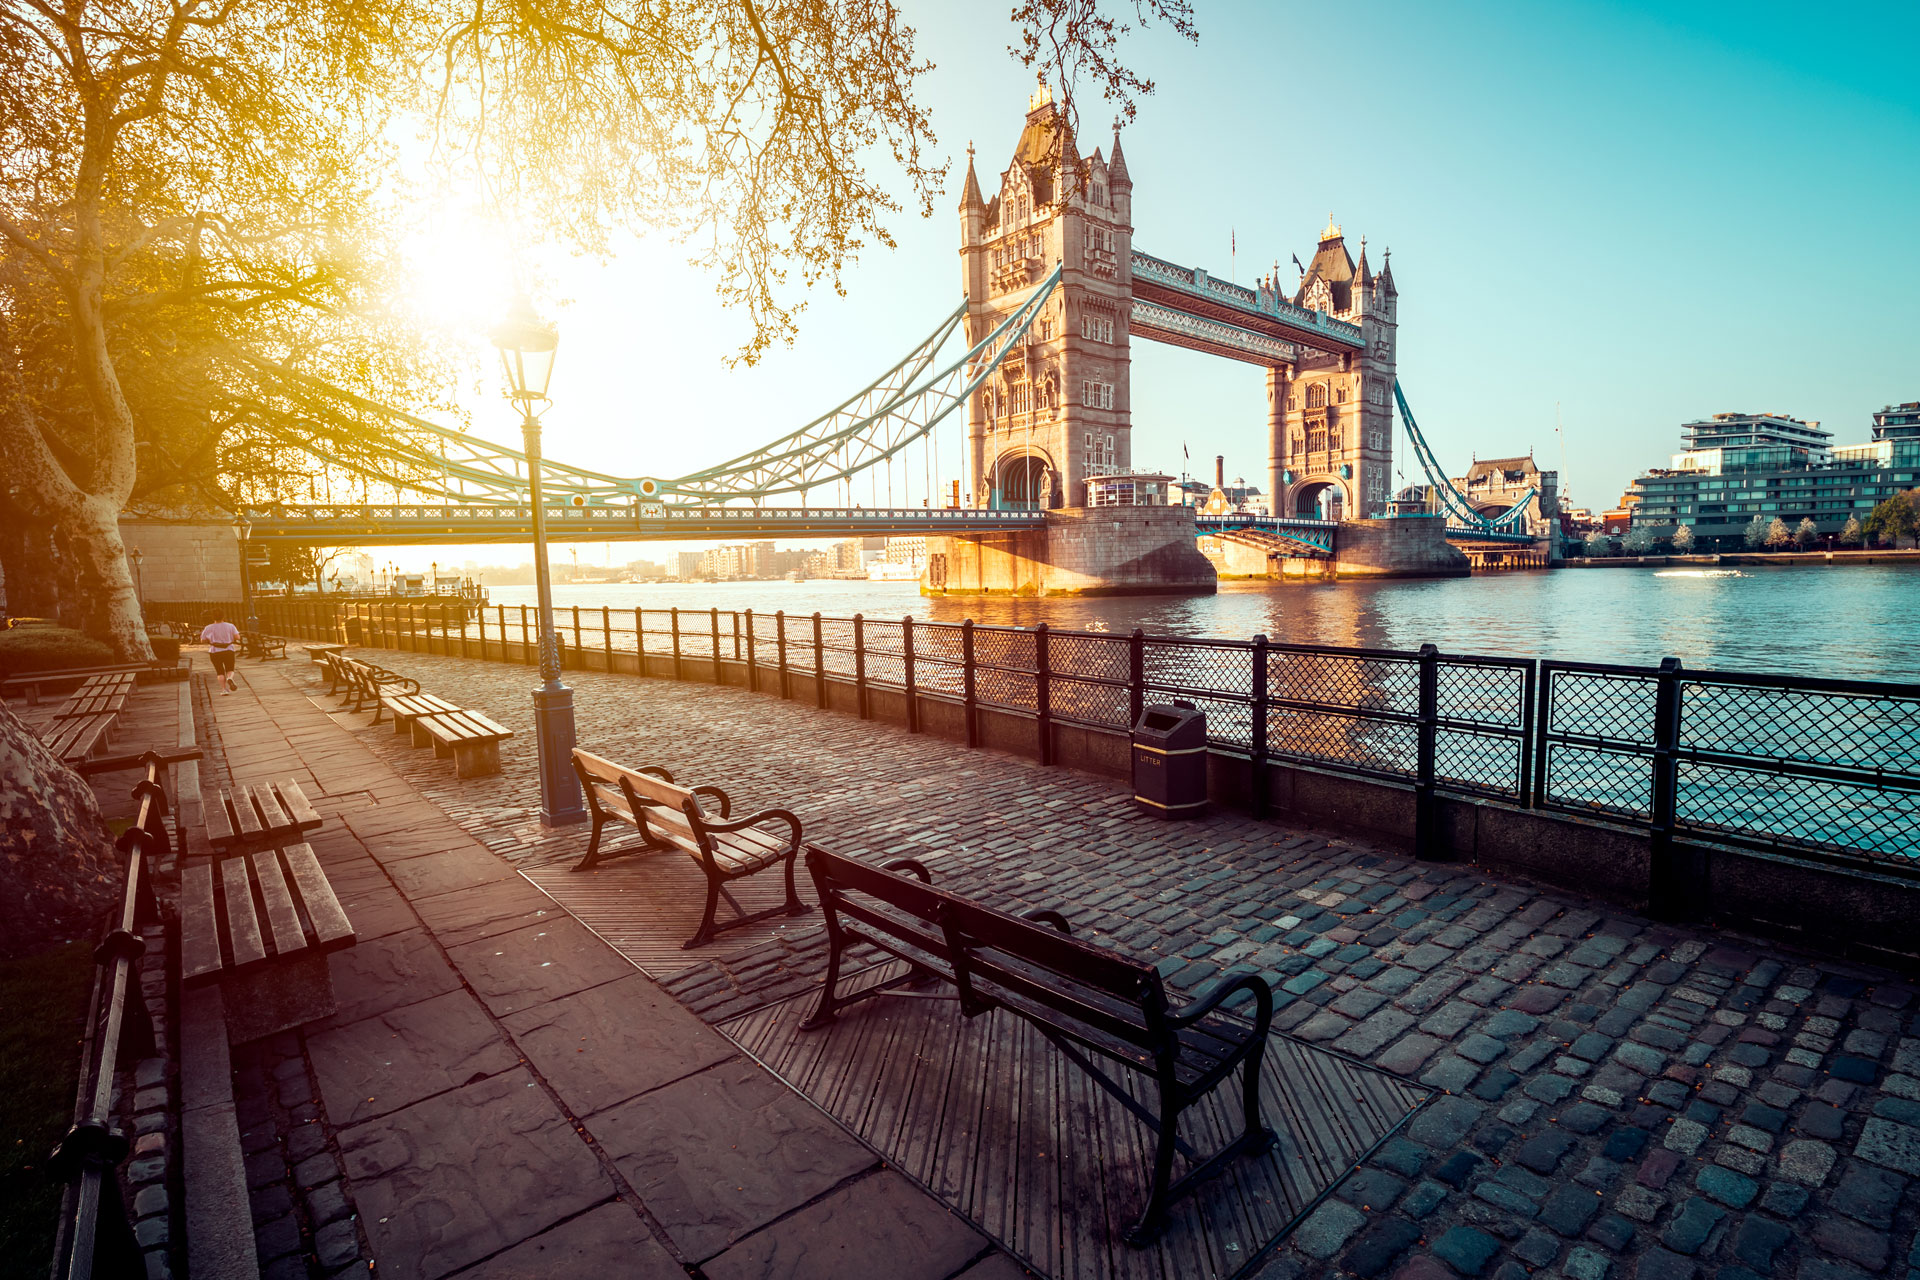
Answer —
1674 888
674 615
1043 692
480 618
716 648
606 635
735 615
753 667
860 665
640 637
819 665
906 650
1257 744
576 629
1136 677
969 682
780 647
1426 815
526 645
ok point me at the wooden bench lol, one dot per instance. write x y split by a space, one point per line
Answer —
405 707
669 816
256 814
261 924
1085 999
97 695
33 683
365 683
469 737
258 644
75 738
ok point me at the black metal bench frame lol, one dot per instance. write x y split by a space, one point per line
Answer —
1079 996
704 830
365 682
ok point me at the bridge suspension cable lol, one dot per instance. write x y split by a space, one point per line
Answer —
1457 505
897 409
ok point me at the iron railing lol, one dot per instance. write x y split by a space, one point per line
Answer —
1826 767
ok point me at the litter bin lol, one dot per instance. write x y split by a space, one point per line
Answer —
1170 760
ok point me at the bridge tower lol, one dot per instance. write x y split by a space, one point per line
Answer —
1330 416
1058 408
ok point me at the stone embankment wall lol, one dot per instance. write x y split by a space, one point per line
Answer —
183 560
1082 551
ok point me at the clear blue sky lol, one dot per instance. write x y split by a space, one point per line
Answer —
1645 213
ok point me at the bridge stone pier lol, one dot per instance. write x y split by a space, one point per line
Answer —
1084 551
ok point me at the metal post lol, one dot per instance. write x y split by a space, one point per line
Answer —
1043 693
860 666
674 614
1259 737
819 665
526 642
606 635
968 682
576 627
736 635
780 647
1136 676
480 620
1674 890
640 637
1426 815
717 679
246 584
753 667
913 700
560 799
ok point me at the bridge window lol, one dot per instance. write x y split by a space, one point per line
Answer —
1373 439
1317 396
1097 328
1293 402
1021 399
1096 395
1099 193
1045 328
1341 395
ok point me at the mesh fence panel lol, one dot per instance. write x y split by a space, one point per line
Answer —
937 653
1812 813
1342 682
1092 656
886 646
1582 777
1340 738
1874 731
836 640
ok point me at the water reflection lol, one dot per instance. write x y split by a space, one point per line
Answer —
1850 622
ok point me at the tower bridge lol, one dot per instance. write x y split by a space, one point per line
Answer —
1054 294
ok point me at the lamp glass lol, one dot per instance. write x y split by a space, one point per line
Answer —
527 345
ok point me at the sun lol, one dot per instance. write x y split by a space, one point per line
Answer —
459 271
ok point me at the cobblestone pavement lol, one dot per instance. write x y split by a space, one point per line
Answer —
1623 1099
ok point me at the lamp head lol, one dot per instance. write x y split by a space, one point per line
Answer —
526 344
242 527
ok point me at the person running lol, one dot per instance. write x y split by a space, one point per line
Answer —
222 637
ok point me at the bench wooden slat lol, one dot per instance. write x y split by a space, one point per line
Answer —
330 925
219 822
283 920
243 922
271 814
245 820
199 933
299 808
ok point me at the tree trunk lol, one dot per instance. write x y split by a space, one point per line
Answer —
59 872
102 580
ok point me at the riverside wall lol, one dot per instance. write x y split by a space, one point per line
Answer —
1080 551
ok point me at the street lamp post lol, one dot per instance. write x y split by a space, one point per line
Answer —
139 593
242 530
527 345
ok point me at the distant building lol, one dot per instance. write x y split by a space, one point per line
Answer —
1770 465
1124 487
687 564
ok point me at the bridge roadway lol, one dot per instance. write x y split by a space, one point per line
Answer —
459 524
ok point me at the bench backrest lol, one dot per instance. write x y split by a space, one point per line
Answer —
997 958
630 791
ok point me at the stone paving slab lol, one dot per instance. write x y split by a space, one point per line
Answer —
880 1226
439 1121
1626 1098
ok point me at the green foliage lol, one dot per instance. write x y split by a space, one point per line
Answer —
1756 535
1779 537
49 648
43 1001
1895 518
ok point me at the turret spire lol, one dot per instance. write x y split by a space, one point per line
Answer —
1117 175
970 197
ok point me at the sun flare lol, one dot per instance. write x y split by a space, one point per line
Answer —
459 273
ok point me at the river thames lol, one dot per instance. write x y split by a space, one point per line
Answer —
1854 622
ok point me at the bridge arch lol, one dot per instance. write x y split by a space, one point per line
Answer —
1025 477
1324 497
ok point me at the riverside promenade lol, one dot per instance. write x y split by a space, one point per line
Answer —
502 1094
1608 1097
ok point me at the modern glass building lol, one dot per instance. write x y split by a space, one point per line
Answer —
1738 466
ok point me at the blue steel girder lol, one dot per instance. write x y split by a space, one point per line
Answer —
1461 512
1317 534
389 524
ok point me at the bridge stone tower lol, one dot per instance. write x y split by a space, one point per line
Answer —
1330 416
1058 408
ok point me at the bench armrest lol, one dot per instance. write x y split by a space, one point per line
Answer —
655 771
1053 918
719 796
752 820
1215 995
908 866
